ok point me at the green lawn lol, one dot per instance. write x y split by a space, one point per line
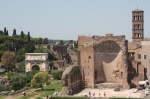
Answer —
2 97
41 94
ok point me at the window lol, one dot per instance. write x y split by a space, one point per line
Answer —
145 56
139 56
89 57
138 26
95 74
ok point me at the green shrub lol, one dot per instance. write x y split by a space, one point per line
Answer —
17 86
12 74
30 75
18 81
57 74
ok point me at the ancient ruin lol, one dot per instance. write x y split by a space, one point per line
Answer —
72 80
36 61
104 59
111 61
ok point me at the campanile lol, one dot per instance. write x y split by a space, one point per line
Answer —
137 25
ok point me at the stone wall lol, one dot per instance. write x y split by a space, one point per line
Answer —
135 73
72 80
104 59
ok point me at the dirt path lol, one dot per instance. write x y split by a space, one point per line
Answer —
15 96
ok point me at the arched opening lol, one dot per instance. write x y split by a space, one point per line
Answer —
35 67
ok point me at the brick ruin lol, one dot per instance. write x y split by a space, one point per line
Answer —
104 63
112 59
72 80
104 59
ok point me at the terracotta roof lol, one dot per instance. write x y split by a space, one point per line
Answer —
133 45
137 9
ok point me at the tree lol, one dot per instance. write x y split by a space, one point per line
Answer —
14 33
1 32
21 67
18 81
61 42
8 60
22 34
57 74
5 31
29 48
30 75
45 41
40 40
20 55
28 37
40 79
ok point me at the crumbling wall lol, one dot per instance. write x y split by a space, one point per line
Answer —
72 80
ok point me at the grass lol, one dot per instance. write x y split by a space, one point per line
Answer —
2 97
41 94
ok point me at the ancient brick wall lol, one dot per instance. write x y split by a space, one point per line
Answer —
86 59
104 59
135 73
72 80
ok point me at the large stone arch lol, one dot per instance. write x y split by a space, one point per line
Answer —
39 59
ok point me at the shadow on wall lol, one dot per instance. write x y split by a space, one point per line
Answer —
107 50
107 60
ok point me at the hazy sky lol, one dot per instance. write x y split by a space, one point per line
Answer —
66 19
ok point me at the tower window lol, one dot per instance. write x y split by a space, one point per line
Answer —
139 35
134 17
139 17
145 56
138 26
139 56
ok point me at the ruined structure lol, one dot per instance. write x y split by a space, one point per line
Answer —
103 59
72 80
61 52
111 61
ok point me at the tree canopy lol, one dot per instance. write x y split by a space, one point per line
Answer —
8 60
40 79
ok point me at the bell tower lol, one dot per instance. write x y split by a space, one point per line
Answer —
137 25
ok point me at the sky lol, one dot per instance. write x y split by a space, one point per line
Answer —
66 19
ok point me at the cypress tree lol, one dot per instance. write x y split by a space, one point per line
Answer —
22 34
28 37
14 33
5 31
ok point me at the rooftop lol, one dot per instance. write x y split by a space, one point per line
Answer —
136 10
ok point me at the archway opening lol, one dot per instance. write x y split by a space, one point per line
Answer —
35 67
